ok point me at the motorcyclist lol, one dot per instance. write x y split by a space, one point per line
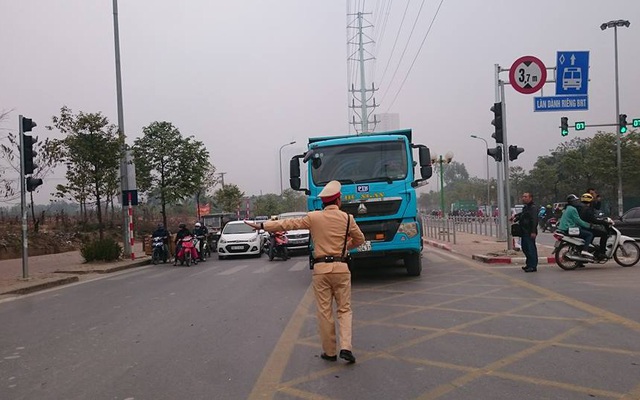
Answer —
201 232
571 219
181 234
162 232
599 225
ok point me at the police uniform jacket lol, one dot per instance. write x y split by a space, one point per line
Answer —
328 229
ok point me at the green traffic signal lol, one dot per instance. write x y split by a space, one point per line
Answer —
564 126
580 126
636 123
622 122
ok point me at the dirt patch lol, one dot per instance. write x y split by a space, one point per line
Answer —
38 243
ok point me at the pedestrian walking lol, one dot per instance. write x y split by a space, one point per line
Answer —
528 221
333 233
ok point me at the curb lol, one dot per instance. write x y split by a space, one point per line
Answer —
437 244
510 260
35 287
102 270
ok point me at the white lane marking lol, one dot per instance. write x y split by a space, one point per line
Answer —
233 270
264 269
299 266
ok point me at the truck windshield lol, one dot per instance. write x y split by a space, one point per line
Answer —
361 162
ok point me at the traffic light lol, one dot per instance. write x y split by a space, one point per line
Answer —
622 120
635 122
28 153
580 126
27 124
564 126
514 152
33 183
496 153
498 135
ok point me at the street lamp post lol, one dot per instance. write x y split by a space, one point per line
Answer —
615 25
280 162
440 160
487 155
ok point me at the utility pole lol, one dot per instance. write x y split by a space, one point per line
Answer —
360 40
222 174
124 184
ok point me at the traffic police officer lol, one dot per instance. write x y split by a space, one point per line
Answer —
331 275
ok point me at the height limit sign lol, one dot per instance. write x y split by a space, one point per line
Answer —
527 75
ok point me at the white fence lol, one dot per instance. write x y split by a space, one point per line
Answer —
445 228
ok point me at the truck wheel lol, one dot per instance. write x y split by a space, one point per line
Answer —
413 264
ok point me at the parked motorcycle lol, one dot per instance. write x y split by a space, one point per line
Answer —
159 250
623 249
187 254
277 246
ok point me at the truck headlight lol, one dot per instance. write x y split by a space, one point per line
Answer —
408 228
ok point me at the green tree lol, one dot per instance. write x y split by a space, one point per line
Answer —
293 201
267 204
228 197
169 166
92 151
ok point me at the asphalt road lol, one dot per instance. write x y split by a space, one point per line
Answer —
245 328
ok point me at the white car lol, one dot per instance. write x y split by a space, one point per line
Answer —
239 239
298 239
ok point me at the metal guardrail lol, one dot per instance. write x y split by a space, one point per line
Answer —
445 228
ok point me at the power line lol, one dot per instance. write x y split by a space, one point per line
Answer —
417 54
395 41
403 51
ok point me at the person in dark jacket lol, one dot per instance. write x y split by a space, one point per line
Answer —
528 220
162 232
183 232
596 203
599 226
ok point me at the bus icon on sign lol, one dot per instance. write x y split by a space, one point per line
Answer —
572 78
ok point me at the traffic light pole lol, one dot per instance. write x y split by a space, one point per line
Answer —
23 204
501 206
505 159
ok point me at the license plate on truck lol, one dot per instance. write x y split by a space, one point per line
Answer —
366 246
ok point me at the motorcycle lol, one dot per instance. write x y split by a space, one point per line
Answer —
550 225
159 251
187 253
204 250
276 246
623 249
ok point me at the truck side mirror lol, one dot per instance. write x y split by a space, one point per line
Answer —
294 173
425 162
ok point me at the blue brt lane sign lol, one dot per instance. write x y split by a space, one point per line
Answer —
561 103
572 75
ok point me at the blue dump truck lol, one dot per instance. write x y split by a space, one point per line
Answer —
378 187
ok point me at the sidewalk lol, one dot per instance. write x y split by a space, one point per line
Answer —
58 269
488 249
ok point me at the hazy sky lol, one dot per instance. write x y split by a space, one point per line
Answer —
246 77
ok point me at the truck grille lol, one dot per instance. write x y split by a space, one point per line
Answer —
373 208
